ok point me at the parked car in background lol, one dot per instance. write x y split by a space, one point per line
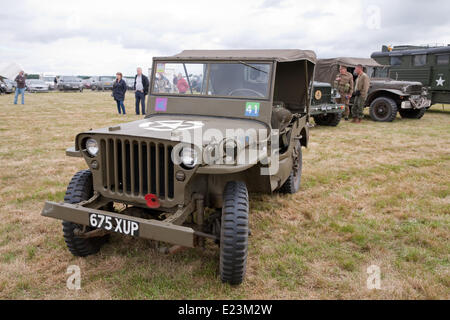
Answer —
103 83
9 85
67 83
36 85
49 78
86 83
130 83
2 86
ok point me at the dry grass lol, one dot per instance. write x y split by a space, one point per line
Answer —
372 194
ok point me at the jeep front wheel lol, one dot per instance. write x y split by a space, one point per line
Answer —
412 113
234 233
330 119
80 189
383 109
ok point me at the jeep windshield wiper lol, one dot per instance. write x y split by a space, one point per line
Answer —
250 66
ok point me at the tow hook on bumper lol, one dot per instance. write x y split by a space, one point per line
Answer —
148 229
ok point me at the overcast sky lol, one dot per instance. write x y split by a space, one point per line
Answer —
102 37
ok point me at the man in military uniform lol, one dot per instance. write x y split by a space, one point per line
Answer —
344 85
360 94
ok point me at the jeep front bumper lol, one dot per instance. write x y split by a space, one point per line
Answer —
416 102
148 228
326 108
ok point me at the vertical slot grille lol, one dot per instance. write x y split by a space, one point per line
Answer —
136 168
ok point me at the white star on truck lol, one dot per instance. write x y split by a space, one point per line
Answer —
440 82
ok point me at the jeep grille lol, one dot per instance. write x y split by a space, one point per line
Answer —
136 168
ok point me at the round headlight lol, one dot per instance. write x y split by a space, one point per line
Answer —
189 157
92 147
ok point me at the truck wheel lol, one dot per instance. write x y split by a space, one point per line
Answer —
331 119
80 189
234 233
383 109
412 113
292 184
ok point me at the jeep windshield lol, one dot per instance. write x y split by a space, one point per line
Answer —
213 79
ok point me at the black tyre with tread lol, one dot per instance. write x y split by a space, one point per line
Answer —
292 184
412 113
80 189
234 233
330 119
383 109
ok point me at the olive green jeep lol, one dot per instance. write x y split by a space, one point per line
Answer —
324 109
183 173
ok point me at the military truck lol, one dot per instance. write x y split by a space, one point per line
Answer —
386 96
429 65
324 109
183 173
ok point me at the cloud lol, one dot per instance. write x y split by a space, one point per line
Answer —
100 37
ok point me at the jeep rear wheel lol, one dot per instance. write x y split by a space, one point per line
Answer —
80 189
383 109
412 113
330 119
292 184
234 233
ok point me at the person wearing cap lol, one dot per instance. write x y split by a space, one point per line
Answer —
344 85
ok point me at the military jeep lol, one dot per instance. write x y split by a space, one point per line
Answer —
183 174
386 97
324 109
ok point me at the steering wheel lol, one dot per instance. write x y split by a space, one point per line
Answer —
253 93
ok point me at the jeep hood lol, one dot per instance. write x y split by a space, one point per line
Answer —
394 84
175 127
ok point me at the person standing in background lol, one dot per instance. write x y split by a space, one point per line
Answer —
141 85
20 89
344 85
361 90
119 89
182 84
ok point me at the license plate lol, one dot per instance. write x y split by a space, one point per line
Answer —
119 225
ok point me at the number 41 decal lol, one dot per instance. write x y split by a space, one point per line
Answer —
252 109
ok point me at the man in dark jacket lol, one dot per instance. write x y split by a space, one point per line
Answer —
141 85
20 89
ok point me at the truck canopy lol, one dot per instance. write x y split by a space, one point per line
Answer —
327 69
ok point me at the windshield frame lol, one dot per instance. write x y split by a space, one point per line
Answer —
271 64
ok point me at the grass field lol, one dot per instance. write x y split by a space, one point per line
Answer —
372 194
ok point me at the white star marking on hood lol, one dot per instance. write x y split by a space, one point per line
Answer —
170 125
